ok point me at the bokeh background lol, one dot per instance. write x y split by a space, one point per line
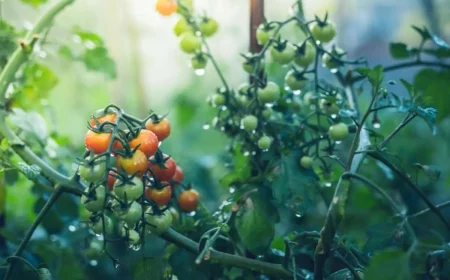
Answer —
153 73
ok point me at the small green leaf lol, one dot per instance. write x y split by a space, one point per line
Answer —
89 39
424 33
389 264
241 171
409 87
440 52
8 42
401 50
430 171
66 52
98 59
4 144
34 3
44 274
374 75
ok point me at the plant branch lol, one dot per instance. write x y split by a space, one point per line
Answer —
271 269
407 119
413 186
424 211
53 198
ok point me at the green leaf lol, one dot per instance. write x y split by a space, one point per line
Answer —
44 274
87 37
70 268
430 171
295 186
389 264
8 42
34 3
401 50
149 268
435 86
409 87
423 32
439 52
98 59
255 224
242 169
31 123
374 75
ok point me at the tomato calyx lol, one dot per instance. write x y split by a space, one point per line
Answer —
322 22
159 160
280 45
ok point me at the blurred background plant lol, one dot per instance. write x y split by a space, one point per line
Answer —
127 54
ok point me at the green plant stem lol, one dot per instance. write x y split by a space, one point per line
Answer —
424 211
53 198
275 270
407 119
416 63
413 186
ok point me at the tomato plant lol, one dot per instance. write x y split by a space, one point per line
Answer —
188 200
160 128
164 169
159 196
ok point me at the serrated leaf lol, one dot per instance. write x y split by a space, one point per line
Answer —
98 59
34 3
401 50
389 264
295 186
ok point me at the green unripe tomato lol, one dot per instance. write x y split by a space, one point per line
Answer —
267 113
249 123
131 190
84 214
95 249
190 43
199 61
306 162
305 55
264 142
328 107
243 100
133 237
181 27
131 215
208 26
217 99
97 227
175 216
284 55
331 63
338 132
158 223
250 64
309 98
93 172
323 32
243 88
264 33
295 81
96 203
270 93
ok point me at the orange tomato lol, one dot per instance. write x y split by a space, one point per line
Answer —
135 163
178 176
161 128
110 117
148 142
159 196
188 200
97 142
166 7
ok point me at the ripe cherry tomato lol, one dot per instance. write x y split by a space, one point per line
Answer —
102 117
97 142
93 172
282 55
324 32
161 129
132 189
208 26
148 142
305 55
163 174
166 7
295 81
135 163
270 93
111 180
178 176
159 196
188 200
190 43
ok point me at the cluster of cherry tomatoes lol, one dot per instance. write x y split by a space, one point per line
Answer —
129 178
190 29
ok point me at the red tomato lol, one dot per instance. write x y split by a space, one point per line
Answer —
166 7
161 128
178 176
159 196
163 174
97 142
148 142
136 163
188 200
111 180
